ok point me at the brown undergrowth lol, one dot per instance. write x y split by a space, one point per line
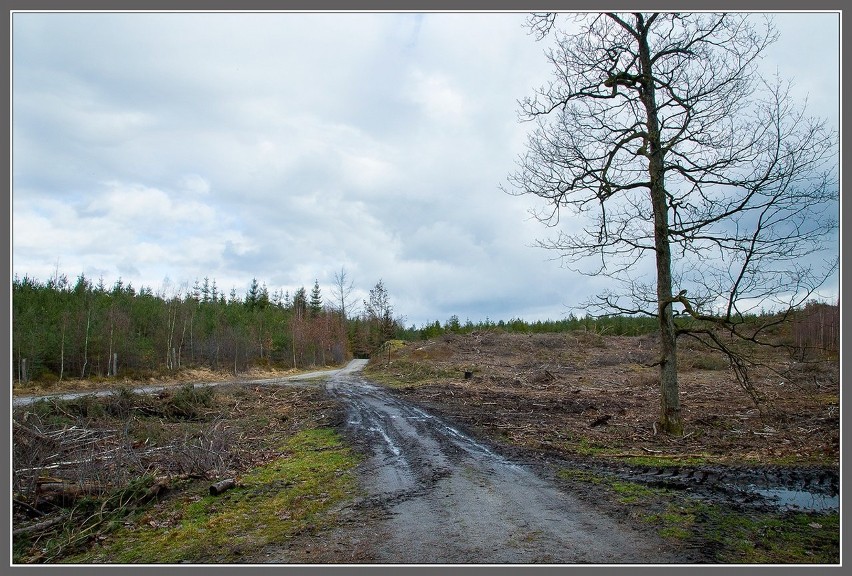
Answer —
89 468
583 394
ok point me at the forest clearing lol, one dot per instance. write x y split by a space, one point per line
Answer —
578 408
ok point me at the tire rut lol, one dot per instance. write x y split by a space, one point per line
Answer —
447 498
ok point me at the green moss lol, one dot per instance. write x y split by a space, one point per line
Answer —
581 476
272 503
676 521
792 538
586 447
631 492
675 532
657 461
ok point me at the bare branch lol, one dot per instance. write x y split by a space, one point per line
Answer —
661 143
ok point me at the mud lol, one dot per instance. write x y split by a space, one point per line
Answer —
806 489
435 495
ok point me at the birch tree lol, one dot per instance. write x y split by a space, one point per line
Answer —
341 291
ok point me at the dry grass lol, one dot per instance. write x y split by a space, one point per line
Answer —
168 379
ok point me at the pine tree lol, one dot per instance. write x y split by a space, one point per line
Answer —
263 297
252 295
379 314
316 300
205 290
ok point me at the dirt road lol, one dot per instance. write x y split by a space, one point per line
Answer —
442 497
296 378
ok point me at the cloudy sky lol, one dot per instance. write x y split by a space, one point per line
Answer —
161 148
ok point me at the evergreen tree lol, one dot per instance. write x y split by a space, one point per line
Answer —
379 315
316 300
263 297
205 290
300 302
252 295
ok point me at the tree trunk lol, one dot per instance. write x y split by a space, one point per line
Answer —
109 356
168 336
86 345
39 526
62 351
670 416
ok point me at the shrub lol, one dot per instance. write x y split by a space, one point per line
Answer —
189 401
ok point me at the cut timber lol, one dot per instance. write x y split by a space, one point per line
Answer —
67 490
221 486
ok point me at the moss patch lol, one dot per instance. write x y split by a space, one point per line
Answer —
287 496
661 462
789 538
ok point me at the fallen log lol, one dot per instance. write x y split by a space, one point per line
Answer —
69 489
221 486
39 526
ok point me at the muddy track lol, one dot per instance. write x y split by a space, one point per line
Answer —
770 489
443 497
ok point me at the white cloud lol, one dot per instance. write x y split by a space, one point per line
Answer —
195 184
282 147
439 99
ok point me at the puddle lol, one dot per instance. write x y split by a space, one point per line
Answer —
396 451
800 499
801 490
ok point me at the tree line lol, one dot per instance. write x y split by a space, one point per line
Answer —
812 329
83 329
613 325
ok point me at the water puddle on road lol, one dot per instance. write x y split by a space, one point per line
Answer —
800 499
396 451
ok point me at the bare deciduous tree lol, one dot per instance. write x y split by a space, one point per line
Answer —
341 291
660 137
